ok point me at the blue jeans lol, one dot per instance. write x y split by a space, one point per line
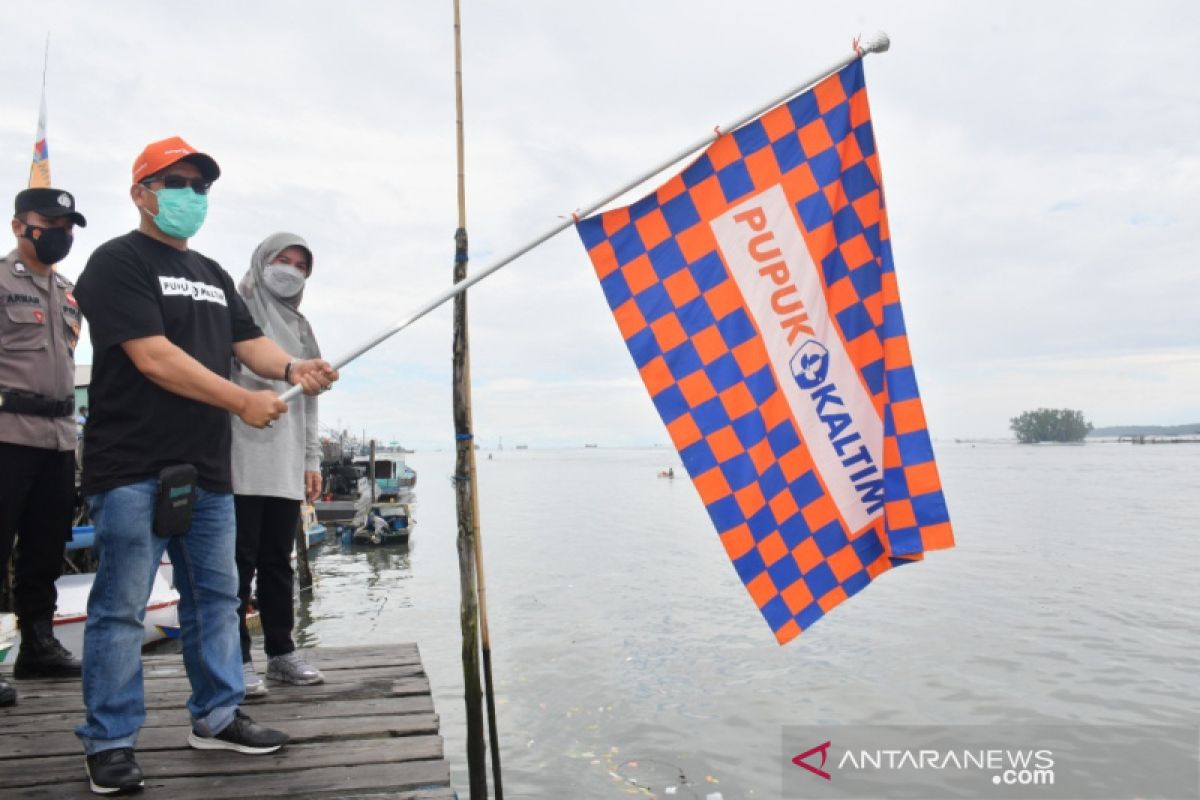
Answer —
207 581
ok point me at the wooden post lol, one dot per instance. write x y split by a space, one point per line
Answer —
466 501
303 568
468 580
371 470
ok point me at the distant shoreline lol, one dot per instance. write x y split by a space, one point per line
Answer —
1145 430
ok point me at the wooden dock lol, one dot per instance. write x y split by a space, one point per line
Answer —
369 731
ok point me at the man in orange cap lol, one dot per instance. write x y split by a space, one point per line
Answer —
165 322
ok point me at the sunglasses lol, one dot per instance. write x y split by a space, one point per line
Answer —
199 185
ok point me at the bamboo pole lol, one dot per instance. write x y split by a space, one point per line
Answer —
474 603
879 43
371 470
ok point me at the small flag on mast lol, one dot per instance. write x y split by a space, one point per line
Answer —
757 295
39 170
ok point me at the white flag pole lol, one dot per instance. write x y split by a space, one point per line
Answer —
879 43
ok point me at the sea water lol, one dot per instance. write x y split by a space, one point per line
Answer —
627 654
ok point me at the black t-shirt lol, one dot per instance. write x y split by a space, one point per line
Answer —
132 287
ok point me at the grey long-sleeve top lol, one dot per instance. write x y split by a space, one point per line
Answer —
272 461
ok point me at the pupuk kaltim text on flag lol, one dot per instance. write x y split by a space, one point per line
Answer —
757 295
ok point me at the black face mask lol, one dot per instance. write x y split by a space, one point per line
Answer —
50 244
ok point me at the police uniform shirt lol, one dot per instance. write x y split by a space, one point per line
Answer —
39 327
135 286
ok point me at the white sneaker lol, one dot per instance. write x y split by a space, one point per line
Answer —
255 686
291 668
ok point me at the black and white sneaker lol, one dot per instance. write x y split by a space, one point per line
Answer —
114 772
243 735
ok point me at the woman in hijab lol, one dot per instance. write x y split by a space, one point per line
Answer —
275 468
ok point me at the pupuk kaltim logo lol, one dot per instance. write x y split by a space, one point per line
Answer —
819 771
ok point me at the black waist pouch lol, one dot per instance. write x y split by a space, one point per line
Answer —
176 495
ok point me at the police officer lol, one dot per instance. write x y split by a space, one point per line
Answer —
39 327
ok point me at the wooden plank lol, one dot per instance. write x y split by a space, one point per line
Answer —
189 763
325 662
333 674
346 681
67 702
59 742
368 732
330 780
445 793
263 712
331 658
28 689
79 791
409 777
337 670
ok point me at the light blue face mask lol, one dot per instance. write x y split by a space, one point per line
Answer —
181 212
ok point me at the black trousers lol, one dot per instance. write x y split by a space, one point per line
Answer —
266 532
37 501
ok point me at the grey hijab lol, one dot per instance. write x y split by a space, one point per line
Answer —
279 318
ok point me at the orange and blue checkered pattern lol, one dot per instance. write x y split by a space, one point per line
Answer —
701 357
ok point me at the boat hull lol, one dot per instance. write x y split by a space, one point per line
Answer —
161 619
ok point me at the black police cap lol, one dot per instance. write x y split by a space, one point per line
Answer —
49 203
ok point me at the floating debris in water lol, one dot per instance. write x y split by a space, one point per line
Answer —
652 776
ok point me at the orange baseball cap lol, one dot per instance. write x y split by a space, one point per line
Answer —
159 155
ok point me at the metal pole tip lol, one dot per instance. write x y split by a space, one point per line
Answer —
877 42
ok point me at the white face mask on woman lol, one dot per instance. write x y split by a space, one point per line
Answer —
283 280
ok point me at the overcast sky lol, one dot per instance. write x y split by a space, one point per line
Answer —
1040 160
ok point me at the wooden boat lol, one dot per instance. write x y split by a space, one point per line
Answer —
162 609
347 496
386 523
314 530
161 620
